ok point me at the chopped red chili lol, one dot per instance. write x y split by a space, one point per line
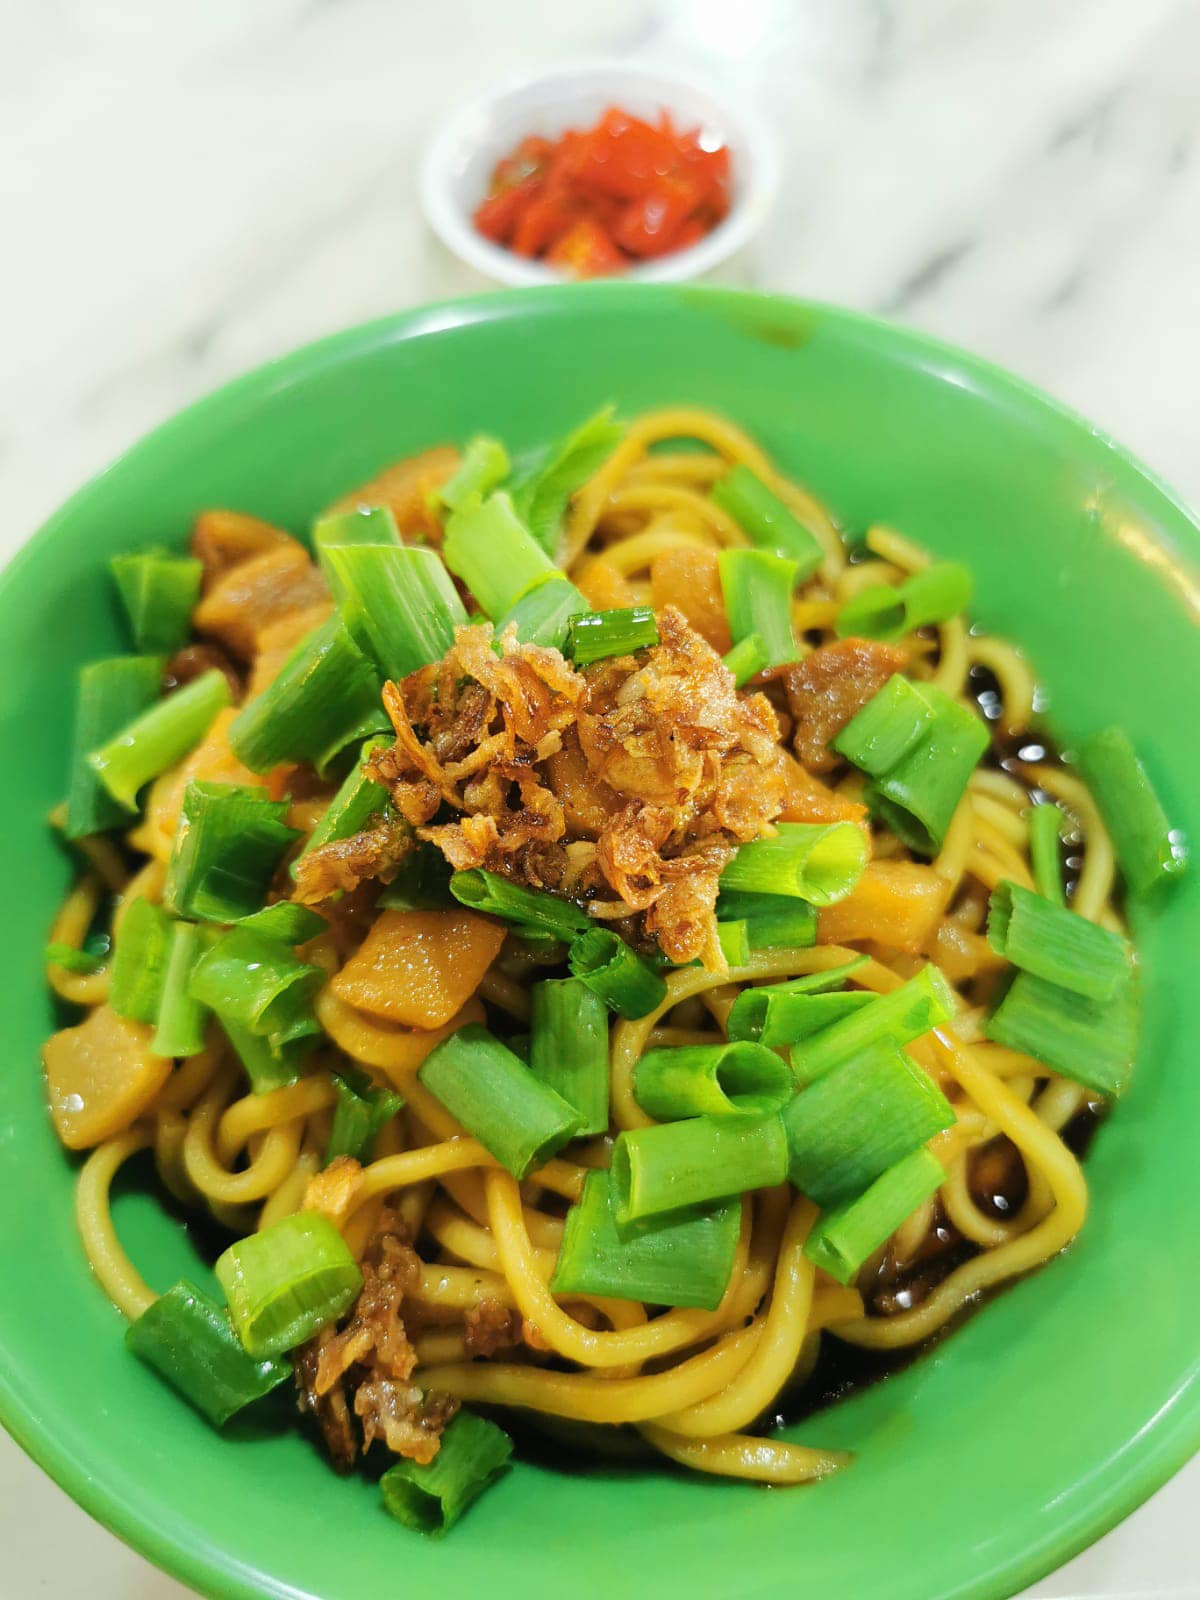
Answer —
596 201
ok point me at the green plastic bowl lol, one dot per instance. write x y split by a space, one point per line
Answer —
1008 1447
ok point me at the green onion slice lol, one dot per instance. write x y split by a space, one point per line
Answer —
627 984
596 635
400 599
661 1170
533 908
757 586
158 593
543 614
544 488
360 1113
496 1097
764 1014
140 962
1054 943
226 850
683 1260
181 1019
111 695
430 1498
815 861
484 467
259 983
737 1078
747 659
924 1002
287 1281
843 1238
764 518
158 738
1149 850
494 553
568 1049
934 594
1093 1042
772 921
188 1340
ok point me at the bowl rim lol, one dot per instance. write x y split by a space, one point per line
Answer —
1167 1440
453 227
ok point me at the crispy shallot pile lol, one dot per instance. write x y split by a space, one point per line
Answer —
628 786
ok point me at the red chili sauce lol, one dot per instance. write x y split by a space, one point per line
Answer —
597 201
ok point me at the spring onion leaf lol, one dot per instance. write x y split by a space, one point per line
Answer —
83 962
738 1078
543 490
627 984
815 861
158 592
497 1098
747 659
787 1018
158 738
734 939
534 908
1149 850
856 1121
180 1019
226 850
400 599
683 1260
360 1112
843 1238
924 1002
919 747
326 696
484 467
934 594
494 553
757 586
772 921
765 1014
284 1283
285 922
1093 1042
665 1169
1045 833
1054 943
569 1048
764 518
111 695
259 983
544 613
267 1066
140 962
597 635
430 1498
188 1340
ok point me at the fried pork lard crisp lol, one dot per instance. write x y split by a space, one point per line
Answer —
627 786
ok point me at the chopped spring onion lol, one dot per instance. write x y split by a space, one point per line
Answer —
1054 943
360 1112
533 908
497 1098
83 962
667 1168
759 1014
747 659
1045 833
843 1238
857 1120
400 599
627 984
326 696
764 518
188 1340
181 1019
267 1066
599 634
430 1498
778 1019
227 847
158 592
259 983
284 1283
934 594
140 962
358 800
569 1048
285 922
1092 1042
676 1261
924 1002
773 921
722 1079
158 738
757 586
111 694
363 525
422 883
920 747
543 614
484 466
1148 849
734 939
494 553
815 861
543 489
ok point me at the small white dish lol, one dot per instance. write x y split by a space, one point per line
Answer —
458 161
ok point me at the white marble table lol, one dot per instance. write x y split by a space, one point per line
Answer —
192 189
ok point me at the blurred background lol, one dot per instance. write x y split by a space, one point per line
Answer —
193 190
